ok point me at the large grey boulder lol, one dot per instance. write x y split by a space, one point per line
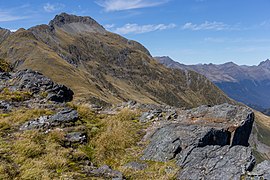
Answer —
200 136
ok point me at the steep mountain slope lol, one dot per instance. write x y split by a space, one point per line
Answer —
103 67
247 84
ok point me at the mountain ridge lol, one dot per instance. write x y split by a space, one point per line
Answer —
247 84
104 67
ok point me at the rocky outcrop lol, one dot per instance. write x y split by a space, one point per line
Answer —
205 136
62 118
36 83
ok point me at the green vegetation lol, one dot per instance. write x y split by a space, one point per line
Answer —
263 133
16 96
4 66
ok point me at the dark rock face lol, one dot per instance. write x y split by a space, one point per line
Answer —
106 172
62 118
215 162
204 139
36 83
242 133
215 137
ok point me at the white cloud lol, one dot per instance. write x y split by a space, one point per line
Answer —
53 7
216 26
236 40
119 5
137 29
8 16
109 26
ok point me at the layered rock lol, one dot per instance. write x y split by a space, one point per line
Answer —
204 139
36 83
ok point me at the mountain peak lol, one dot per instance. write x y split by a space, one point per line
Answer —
229 64
265 64
76 24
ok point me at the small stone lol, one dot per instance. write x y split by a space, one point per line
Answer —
136 166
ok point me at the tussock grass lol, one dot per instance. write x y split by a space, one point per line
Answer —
155 170
113 140
15 96
9 121
4 66
119 133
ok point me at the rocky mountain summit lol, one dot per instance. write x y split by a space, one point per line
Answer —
76 24
247 84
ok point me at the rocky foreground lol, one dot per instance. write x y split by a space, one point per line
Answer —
64 141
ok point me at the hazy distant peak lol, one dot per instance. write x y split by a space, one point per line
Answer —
265 64
76 24
230 63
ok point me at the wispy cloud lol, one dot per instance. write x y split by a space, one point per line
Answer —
48 7
248 49
109 26
216 26
236 40
119 5
265 24
6 16
139 29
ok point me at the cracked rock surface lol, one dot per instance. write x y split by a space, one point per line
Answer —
206 142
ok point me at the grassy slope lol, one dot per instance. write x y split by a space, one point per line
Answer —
260 137
108 67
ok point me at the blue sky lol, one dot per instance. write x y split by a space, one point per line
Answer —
189 31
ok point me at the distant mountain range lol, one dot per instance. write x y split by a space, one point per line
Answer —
246 84
102 67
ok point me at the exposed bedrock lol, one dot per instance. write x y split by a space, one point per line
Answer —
204 139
